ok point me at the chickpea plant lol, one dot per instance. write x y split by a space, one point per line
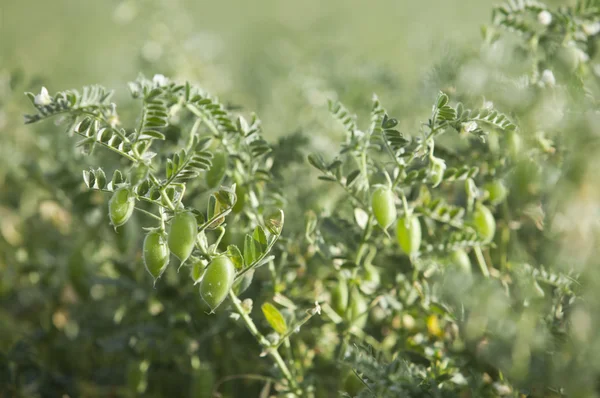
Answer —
430 265
157 185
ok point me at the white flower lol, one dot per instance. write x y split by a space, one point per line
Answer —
591 29
488 105
548 78
160 80
545 18
469 126
42 98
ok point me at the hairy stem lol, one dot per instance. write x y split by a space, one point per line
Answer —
271 351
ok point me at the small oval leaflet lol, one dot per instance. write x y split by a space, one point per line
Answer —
274 317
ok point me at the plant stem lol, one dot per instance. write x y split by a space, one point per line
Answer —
273 353
481 261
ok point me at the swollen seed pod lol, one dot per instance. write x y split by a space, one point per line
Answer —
182 235
217 281
384 207
484 223
371 276
120 206
513 144
357 309
339 297
156 254
409 234
496 190
460 260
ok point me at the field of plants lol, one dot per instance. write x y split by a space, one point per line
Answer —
300 199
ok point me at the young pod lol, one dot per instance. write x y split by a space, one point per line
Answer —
339 297
384 207
461 262
497 191
484 223
182 235
120 206
217 281
155 254
357 309
408 232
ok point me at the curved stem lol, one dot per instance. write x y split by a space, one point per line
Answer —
271 351
481 261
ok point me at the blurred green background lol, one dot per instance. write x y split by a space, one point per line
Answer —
246 51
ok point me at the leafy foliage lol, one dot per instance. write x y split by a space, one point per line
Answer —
480 307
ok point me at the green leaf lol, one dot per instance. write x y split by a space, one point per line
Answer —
250 252
259 235
442 100
100 178
274 318
352 177
236 256
317 162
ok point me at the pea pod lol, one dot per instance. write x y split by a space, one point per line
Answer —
120 206
357 309
182 235
217 281
484 223
339 297
497 191
460 260
384 207
156 254
408 232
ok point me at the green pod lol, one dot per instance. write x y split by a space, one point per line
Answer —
372 276
156 254
120 206
484 223
357 309
408 232
460 260
217 170
217 281
384 207
497 191
514 143
182 235
339 297
568 57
